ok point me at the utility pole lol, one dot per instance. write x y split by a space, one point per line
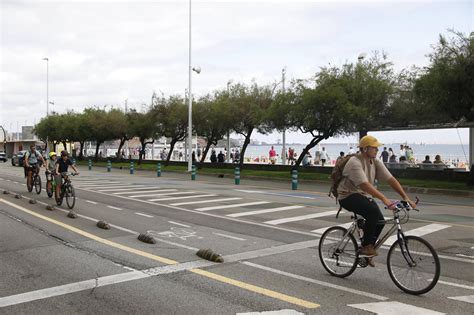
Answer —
283 157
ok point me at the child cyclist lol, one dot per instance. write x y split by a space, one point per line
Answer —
62 165
50 169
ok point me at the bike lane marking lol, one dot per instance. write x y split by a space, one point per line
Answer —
207 274
302 217
423 230
236 205
204 201
247 213
466 298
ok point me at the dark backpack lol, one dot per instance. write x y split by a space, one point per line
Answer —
336 175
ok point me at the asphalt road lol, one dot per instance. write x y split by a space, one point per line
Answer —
267 234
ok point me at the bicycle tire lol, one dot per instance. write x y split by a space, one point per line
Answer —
49 188
70 196
419 281
332 261
37 185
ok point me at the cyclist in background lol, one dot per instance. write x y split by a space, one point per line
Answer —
31 163
357 192
62 165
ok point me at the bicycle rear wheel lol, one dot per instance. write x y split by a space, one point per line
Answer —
415 269
70 196
337 253
37 184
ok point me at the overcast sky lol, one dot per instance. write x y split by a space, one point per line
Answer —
104 52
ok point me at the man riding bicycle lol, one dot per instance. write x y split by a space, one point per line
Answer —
31 163
62 166
356 191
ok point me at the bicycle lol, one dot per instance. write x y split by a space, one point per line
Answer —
412 263
67 190
35 179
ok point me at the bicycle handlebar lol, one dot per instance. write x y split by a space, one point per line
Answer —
404 205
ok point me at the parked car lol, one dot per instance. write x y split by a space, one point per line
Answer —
17 158
3 156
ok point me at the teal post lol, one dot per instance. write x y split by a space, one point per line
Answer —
294 179
74 161
158 170
109 165
193 172
90 164
237 176
131 167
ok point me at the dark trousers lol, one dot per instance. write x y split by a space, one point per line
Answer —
367 208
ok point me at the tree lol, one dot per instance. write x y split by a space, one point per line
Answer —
172 115
211 119
51 128
143 126
247 106
322 111
446 86
101 126
121 128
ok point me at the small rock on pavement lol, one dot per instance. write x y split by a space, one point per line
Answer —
6 192
50 207
103 225
72 215
32 201
18 196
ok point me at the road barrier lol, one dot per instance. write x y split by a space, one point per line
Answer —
237 175
132 167
109 165
294 179
90 164
193 172
158 169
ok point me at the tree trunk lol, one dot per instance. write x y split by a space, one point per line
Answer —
310 145
97 146
65 145
208 146
81 154
122 142
172 143
244 147
142 151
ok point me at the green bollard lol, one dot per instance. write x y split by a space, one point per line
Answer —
131 167
109 165
193 172
294 179
90 164
74 161
158 169
237 176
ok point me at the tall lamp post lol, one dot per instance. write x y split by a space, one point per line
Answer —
283 155
190 99
47 100
228 131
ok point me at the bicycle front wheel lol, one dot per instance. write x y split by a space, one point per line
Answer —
37 183
70 196
338 252
414 268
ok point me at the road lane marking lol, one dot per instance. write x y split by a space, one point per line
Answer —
242 214
104 186
144 215
235 205
204 201
301 217
252 288
318 282
165 194
172 222
256 289
92 236
230 236
115 208
272 193
120 188
135 187
185 197
424 230
98 184
455 284
393 307
322 230
146 191
467 298
93 202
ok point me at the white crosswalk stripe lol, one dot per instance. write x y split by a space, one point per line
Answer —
204 201
100 185
178 198
165 194
121 188
136 188
301 218
322 230
424 230
393 308
145 191
467 298
233 205
242 214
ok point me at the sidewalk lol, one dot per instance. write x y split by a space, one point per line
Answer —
279 183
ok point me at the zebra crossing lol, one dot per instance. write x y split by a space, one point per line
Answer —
317 218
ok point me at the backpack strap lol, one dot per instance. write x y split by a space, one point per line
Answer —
337 214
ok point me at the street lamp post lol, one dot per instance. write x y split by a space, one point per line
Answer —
228 131
47 86
283 157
